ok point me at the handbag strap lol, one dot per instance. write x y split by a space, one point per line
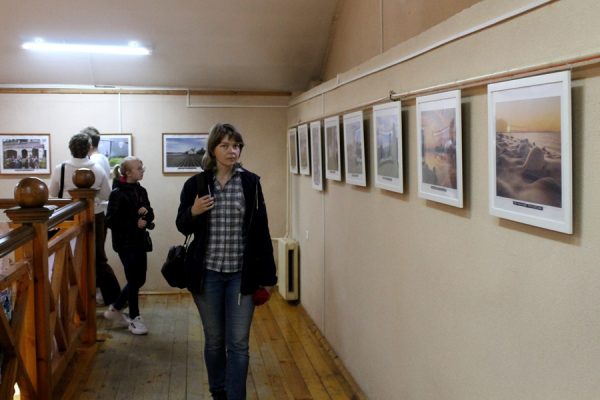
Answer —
62 181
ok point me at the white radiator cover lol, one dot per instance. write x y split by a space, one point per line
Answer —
287 268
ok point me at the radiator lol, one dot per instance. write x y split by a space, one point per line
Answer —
287 267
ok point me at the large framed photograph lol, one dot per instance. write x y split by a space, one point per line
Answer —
25 153
316 155
303 149
439 148
333 155
354 144
293 150
183 152
387 146
116 147
530 151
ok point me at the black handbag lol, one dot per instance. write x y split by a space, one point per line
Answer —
173 268
147 241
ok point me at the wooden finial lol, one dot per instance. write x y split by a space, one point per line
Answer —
84 178
31 192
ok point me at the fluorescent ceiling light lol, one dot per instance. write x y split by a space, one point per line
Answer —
133 49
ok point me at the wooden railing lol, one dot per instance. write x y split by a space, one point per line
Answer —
51 286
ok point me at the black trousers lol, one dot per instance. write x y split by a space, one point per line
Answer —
135 264
106 280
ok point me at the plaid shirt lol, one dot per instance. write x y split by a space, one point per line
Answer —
225 248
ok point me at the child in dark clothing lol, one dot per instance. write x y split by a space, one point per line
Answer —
129 215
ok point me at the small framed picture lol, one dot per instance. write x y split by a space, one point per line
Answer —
316 155
439 148
333 155
387 146
25 153
183 152
116 147
529 141
303 149
354 144
293 150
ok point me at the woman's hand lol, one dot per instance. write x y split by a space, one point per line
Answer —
142 211
202 204
142 223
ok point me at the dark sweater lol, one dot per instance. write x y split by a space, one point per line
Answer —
122 215
258 267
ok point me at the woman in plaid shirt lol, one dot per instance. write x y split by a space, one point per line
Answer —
230 266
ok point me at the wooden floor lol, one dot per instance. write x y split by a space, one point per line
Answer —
289 359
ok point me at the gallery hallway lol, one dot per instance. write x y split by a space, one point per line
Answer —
288 357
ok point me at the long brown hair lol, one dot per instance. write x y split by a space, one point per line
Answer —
217 133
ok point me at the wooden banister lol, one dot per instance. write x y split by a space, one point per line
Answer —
54 304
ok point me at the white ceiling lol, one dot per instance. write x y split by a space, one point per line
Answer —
197 44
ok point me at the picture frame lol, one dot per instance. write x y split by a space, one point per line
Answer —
439 148
333 154
25 154
116 146
387 146
183 152
354 149
303 149
530 166
316 155
293 150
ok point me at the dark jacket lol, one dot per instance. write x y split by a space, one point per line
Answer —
258 267
122 215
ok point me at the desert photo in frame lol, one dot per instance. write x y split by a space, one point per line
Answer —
439 148
530 151
387 146
25 154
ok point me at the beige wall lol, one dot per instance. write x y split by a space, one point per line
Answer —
425 301
364 29
147 117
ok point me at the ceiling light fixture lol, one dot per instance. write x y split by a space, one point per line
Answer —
133 49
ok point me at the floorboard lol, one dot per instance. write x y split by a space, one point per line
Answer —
289 359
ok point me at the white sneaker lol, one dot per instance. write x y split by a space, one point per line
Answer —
137 327
116 316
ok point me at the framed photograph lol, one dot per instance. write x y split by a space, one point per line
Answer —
183 152
25 153
333 155
439 148
387 146
115 147
354 146
293 150
530 151
316 155
303 149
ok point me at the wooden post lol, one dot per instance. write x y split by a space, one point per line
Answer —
31 194
88 268
38 219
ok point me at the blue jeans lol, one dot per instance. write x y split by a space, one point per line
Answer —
226 317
